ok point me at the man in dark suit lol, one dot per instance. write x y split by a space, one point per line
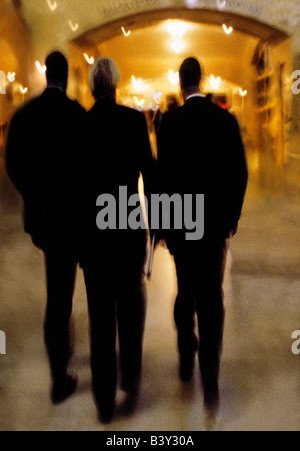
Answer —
39 156
200 151
113 252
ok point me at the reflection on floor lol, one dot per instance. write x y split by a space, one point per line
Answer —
260 383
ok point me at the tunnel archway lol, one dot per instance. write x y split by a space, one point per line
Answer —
253 62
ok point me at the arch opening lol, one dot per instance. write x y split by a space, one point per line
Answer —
246 63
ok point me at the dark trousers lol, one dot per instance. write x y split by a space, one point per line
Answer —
116 300
60 274
200 271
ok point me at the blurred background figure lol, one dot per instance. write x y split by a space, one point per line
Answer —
116 151
172 103
200 151
38 159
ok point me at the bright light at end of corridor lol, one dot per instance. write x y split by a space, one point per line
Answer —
138 85
173 77
177 28
215 82
177 45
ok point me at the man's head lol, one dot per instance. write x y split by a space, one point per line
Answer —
104 78
57 69
190 75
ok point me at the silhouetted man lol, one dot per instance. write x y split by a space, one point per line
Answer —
200 151
113 254
39 160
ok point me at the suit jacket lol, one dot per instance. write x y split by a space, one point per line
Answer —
39 161
117 150
200 151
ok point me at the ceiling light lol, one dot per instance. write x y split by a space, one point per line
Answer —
72 26
126 33
177 45
89 60
11 76
176 28
40 68
215 82
173 77
51 5
228 30
243 93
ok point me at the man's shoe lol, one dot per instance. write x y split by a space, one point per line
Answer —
106 412
64 388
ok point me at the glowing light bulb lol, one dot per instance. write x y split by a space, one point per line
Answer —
215 82
40 68
51 5
177 45
176 28
11 76
139 103
192 3
72 26
157 96
173 77
89 60
227 30
243 93
126 33
23 90
221 4
137 84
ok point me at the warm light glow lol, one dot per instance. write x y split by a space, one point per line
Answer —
243 93
191 3
41 69
227 30
23 90
176 28
89 60
173 77
215 82
126 33
139 103
51 5
11 76
137 84
177 45
221 4
73 27
157 96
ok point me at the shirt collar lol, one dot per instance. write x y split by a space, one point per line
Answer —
55 85
195 95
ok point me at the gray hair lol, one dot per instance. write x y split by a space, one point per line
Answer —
104 77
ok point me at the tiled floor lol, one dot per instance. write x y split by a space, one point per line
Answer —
260 379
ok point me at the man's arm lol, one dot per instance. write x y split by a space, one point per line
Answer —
148 164
237 174
15 156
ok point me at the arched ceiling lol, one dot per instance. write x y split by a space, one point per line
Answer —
54 23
